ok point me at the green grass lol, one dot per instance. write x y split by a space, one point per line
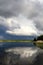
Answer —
15 40
39 45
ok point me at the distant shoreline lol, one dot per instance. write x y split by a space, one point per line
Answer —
38 41
16 40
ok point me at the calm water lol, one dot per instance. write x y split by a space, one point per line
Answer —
26 53
16 44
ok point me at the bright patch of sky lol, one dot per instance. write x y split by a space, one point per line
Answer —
21 26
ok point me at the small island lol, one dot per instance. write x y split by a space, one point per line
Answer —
39 41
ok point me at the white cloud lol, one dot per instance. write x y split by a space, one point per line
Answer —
41 1
19 25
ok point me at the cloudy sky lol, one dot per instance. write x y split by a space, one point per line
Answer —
21 17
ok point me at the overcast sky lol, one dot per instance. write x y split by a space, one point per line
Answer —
21 17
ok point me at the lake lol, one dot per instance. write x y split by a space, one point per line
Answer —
21 53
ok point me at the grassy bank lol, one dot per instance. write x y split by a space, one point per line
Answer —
38 43
16 41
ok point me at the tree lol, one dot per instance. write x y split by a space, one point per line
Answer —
34 39
40 37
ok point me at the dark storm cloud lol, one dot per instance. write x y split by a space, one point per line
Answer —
10 7
15 7
28 8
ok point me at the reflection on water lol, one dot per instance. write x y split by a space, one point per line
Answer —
20 54
16 44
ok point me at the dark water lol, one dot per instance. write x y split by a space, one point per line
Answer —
38 60
17 44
